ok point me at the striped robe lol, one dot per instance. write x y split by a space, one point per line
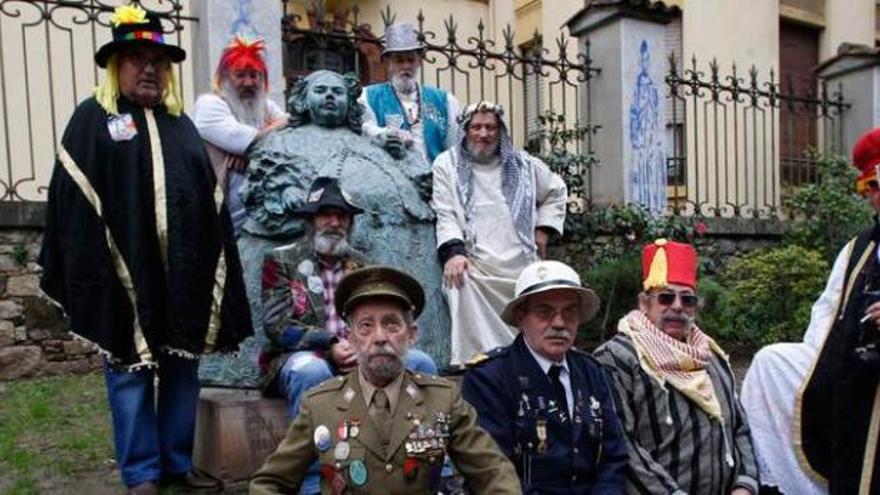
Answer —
674 446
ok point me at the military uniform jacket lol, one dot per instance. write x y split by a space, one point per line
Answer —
331 408
582 454
293 306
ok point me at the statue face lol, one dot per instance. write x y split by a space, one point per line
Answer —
327 99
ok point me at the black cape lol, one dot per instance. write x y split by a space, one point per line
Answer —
840 399
101 228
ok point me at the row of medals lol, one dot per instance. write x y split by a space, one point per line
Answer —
423 440
357 471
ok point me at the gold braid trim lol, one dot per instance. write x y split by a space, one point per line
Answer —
70 166
798 402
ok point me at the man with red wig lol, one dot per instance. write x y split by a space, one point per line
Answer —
236 115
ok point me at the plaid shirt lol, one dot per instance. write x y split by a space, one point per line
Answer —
330 276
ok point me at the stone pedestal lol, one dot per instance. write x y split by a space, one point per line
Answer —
235 431
629 99
855 71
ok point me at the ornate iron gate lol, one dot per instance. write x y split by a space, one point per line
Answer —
46 49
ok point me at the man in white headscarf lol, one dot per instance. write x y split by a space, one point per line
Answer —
496 209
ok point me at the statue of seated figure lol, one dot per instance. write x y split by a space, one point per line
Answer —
323 140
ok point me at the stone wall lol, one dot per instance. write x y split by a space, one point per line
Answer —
34 341
34 338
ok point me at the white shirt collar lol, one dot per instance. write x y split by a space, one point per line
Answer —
545 363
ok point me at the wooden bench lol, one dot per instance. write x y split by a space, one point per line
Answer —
235 431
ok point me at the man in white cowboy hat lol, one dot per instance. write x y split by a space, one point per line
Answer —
496 206
546 404
675 391
401 113
139 254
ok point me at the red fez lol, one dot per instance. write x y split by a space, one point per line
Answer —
866 157
243 53
668 262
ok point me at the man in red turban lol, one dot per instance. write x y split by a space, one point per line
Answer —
236 115
676 394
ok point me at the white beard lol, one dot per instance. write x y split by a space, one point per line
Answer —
251 111
331 244
405 84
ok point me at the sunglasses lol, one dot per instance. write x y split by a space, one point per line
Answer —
668 299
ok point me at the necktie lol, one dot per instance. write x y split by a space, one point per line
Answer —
381 412
553 373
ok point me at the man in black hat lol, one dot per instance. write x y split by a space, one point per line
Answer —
139 252
380 428
308 339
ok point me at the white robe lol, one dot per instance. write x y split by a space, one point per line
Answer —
222 130
771 386
494 250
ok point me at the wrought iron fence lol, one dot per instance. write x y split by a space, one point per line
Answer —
527 80
740 143
46 68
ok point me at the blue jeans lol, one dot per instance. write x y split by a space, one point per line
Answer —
153 433
305 369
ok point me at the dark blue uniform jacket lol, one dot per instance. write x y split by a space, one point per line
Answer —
553 453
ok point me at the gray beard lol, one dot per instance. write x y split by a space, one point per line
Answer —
404 85
251 111
384 372
331 244
485 156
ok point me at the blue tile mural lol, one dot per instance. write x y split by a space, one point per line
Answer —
646 181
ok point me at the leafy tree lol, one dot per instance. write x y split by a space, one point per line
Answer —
771 293
825 214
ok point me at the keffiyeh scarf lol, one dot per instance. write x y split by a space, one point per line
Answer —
516 184
682 364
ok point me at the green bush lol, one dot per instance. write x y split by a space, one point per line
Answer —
711 317
827 213
617 282
770 295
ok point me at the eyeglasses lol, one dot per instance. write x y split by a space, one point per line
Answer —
159 63
548 313
667 298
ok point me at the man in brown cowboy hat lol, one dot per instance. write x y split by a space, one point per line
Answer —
401 113
381 428
139 252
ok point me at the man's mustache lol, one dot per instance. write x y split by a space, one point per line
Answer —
555 333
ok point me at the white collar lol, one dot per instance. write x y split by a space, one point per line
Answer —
545 363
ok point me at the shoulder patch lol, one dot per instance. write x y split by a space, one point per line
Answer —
428 380
330 385
482 358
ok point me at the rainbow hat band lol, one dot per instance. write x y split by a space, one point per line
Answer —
131 25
